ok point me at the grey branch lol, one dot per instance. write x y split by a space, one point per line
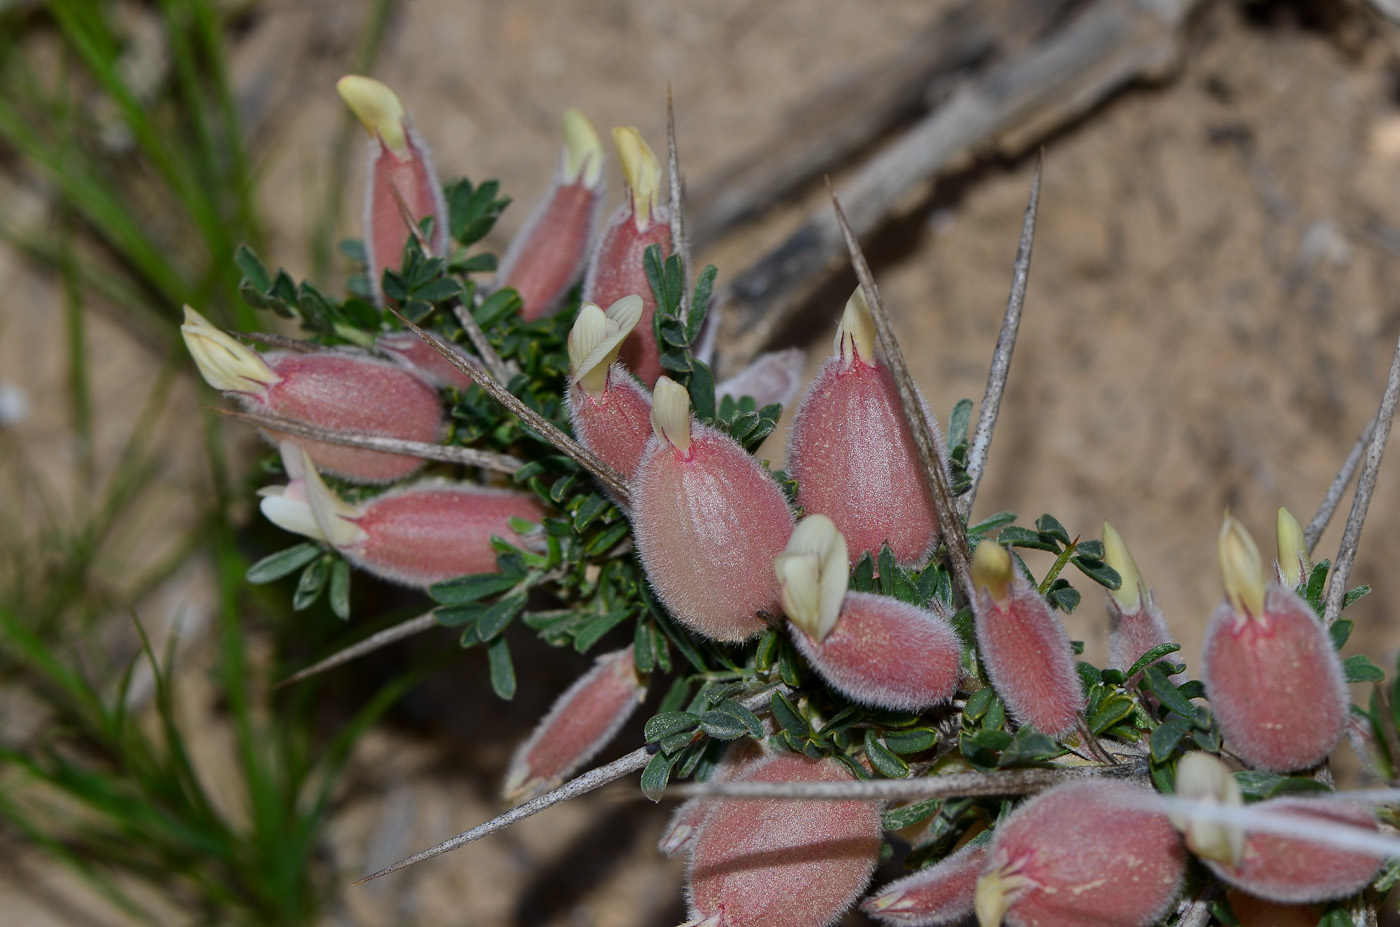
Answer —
581 455
1006 343
1105 48
467 456
585 783
679 243
1313 533
1365 485
370 644
279 341
498 368
956 785
954 533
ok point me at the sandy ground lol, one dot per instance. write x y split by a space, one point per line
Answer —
1212 310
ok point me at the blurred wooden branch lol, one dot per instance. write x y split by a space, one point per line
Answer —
1109 45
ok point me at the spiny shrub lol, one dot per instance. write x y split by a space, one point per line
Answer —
593 485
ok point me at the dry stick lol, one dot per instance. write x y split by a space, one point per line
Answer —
585 783
609 477
1109 45
1318 525
370 644
954 533
1365 485
956 785
500 371
679 244
467 456
1006 343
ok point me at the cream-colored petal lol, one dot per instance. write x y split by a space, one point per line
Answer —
1241 568
855 337
1202 777
378 108
596 339
1293 562
670 412
1116 555
818 545
223 361
334 516
992 570
583 150
641 170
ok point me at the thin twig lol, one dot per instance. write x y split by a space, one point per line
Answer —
615 482
956 785
679 244
370 644
500 371
467 456
585 783
954 532
1365 485
1319 522
1006 343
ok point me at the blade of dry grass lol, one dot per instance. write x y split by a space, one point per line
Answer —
370 644
1313 533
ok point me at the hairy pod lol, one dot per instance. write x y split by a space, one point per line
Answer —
403 188
1082 853
617 267
581 722
415 535
853 454
686 820
1274 680
943 893
547 254
779 862
333 389
1024 645
708 521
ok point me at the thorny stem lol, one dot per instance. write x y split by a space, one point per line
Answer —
1313 533
957 785
582 785
1366 484
370 644
679 244
500 370
954 532
546 429
1006 343
467 456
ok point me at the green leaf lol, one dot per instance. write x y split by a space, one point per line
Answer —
1016 536
439 290
702 392
1317 581
1029 746
1066 598
957 425
1049 526
283 563
1157 683
787 715
253 268
1153 655
495 617
700 302
1340 632
748 719
988 525
1354 594
590 633
722 725
497 306
340 589
468 589
1359 668
884 761
668 724
1167 736
1099 572
909 815
978 703
312 582
1090 550
1112 710
912 740
767 652
502 669
656 774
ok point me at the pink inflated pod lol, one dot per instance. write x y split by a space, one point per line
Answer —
609 410
1023 645
874 649
939 894
414 354
617 268
402 189
547 254
1286 867
1135 623
1274 681
709 521
852 452
582 721
333 389
686 820
1292 566
1085 852
782 862
417 535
